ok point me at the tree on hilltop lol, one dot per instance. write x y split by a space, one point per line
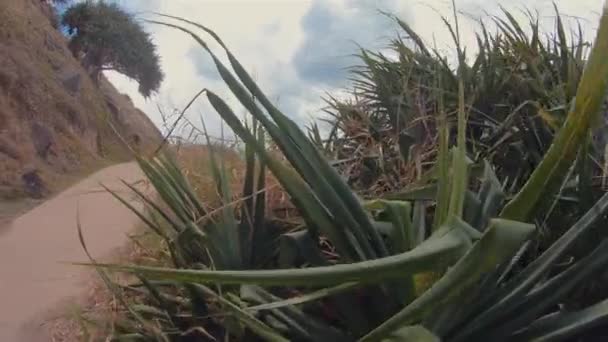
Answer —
106 37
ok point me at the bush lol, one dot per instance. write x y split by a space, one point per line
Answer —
110 39
377 270
519 89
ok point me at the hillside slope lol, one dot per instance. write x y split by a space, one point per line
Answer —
54 122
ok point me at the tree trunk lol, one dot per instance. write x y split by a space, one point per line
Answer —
93 64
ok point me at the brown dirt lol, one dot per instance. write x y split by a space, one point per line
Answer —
54 121
92 318
38 283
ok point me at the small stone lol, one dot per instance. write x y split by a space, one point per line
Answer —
72 83
33 184
42 139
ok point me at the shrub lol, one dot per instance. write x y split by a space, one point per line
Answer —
111 39
519 88
375 270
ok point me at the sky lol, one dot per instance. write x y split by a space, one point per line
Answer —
300 50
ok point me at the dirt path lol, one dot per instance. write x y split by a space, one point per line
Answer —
34 278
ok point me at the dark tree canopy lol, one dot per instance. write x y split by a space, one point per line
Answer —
108 38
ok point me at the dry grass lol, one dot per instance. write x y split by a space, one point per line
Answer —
92 316
35 65
194 161
372 161
91 319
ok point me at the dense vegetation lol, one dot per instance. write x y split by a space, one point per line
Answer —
438 253
108 38
518 87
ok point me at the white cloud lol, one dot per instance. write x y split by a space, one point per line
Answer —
294 47
262 34
334 30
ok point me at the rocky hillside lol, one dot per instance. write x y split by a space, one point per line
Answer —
54 122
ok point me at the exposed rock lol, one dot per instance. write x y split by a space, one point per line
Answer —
42 138
53 118
7 79
113 109
71 83
33 184
129 119
72 117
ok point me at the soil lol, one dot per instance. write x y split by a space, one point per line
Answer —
55 122
39 281
56 126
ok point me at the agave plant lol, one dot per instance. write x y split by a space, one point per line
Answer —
383 269
519 88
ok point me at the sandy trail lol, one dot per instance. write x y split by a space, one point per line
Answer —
33 278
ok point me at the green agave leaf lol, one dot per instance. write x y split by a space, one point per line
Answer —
247 227
307 327
499 242
196 246
420 193
257 326
155 208
414 333
142 216
173 188
175 178
549 175
566 325
531 275
163 305
298 248
402 240
313 212
472 210
115 290
225 232
166 192
301 152
548 295
442 196
150 311
305 298
491 194
130 337
436 253
260 231
459 179
419 222
563 44
400 213
585 174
